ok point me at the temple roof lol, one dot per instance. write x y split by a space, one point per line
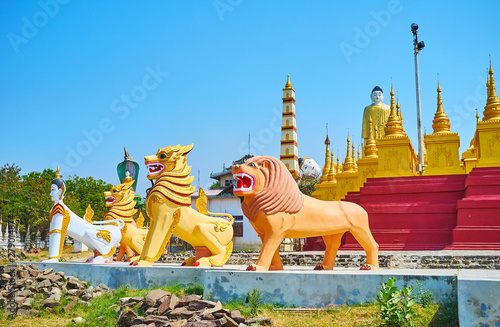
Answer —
227 170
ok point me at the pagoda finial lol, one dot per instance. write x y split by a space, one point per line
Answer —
57 173
477 116
492 108
326 167
441 123
288 85
331 172
338 164
127 156
349 161
371 150
394 127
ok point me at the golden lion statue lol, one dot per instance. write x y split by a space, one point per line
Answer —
120 200
168 205
277 209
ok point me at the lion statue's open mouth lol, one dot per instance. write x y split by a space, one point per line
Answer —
244 182
155 168
110 200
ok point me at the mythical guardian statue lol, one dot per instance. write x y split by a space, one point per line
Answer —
168 205
275 207
120 200
101 236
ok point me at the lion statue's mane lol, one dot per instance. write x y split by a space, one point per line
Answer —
274 198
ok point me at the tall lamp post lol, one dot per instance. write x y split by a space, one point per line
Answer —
417 47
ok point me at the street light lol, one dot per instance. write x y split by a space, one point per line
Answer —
417 47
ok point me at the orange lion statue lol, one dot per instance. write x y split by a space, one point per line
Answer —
277 209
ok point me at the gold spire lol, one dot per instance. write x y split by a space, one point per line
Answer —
394 126
441 123
354 156
492 108
359 152
331 173
477 116
400 115
326 167
338 164
371 150
57 173
288 85
349 162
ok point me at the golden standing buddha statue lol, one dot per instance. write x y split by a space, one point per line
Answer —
379 113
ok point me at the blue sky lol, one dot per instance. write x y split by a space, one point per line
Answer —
81 79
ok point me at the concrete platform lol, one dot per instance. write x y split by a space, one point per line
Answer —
477 292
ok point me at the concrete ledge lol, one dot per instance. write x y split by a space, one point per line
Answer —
477 292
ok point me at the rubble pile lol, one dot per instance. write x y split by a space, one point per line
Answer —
164 309
34 288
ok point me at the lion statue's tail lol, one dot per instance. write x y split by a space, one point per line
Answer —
201 206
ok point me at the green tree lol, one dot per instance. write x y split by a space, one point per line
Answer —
307 184
10 193
216 184
82 191
36 202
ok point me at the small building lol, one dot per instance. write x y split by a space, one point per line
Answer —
222 200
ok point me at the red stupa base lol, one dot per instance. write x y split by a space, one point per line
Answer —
430 212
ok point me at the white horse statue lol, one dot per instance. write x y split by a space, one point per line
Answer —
103 236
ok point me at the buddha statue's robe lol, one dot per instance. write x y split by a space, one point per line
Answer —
380 114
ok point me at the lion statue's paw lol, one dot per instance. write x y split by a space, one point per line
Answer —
203 262
253 267
369 267
141 263
189 262
134 258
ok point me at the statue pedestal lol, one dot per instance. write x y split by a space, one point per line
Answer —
396 157
489 144
442 154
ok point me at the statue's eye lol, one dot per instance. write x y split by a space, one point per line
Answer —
163 156
251 164
114 190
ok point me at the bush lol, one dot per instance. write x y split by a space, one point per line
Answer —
396 305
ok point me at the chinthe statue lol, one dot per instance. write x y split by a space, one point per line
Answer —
101 236
277 209
168 206
121 204
379 112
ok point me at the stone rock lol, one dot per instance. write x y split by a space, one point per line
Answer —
26 293
178 323
185 300
200 305
28 303
260 321
168 303
176 312
48 271
153 296
23 274
5 276
230 322
236 316
125 318
150 311
54 278
124 300
51 302
78 320
97 294
44 283
73 283
70 305
25 313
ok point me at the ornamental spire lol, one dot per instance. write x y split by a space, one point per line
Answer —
492 108
57 173
441 123
331 173
371 150
394 126
326 167
288 85
348 164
